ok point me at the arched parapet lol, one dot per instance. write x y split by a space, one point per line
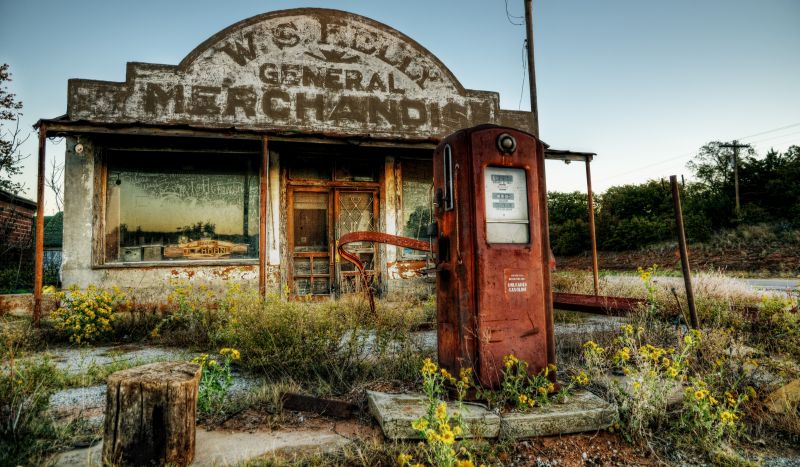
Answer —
312 70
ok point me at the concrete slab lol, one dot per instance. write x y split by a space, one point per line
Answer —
214 448
583 411
396 412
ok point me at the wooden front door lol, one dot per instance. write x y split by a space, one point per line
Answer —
318 216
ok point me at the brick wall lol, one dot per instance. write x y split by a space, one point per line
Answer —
16 225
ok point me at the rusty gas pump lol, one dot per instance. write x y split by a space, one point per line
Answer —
493 280
493 294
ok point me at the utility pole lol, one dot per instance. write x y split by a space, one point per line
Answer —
531 67
735 145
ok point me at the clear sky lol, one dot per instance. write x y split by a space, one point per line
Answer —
643 84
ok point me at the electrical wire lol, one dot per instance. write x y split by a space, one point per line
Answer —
509 16
524 73
691 153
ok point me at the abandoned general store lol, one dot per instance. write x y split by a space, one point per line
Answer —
251 157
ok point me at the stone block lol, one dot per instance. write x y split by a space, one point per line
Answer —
583 411
396 412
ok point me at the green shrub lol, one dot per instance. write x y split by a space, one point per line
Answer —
86 316
25 428
633 232
569 238
215 382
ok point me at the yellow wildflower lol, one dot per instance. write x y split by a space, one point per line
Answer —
420 424
441 411
428 367
403 459
581 378
447 437
727 417
233 354
464 463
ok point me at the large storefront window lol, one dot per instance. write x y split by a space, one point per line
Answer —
181 207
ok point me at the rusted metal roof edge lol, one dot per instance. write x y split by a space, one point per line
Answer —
567 155
61 126
16 199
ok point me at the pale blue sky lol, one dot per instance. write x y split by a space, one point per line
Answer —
642 83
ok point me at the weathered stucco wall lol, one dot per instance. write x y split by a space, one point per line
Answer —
150 282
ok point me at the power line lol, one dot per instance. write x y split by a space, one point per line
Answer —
509 16
775 137
771 131
691 153
524 72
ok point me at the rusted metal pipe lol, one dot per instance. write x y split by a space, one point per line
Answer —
262 218
38 267
687 274
531 67
592 234
378 237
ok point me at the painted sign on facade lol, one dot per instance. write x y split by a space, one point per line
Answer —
310 70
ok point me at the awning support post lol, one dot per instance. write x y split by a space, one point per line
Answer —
592 234
39 252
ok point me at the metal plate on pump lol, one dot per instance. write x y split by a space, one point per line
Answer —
506 205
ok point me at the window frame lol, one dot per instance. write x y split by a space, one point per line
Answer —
100 197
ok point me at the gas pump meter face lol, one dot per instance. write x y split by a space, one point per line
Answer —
506 204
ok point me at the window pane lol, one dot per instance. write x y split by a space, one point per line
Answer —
310 222
181 206
417 185
309 168
356 170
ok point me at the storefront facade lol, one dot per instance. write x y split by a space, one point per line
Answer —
250 158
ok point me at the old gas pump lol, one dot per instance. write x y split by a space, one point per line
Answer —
493 281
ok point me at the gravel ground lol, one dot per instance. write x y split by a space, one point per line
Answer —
76 360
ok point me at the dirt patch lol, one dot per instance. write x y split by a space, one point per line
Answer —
601 448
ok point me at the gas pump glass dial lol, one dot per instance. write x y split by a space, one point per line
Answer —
506 205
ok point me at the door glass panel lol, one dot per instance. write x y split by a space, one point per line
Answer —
302 286
356 213
302 266
320 286
310 222
322 265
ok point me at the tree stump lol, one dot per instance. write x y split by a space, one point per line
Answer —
150 414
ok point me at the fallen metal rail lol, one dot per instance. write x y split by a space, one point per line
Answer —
597 304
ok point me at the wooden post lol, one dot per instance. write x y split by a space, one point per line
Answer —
150 415
262 218
531 67
687 274
38 260
592 234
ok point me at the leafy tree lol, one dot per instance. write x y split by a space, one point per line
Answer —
11 137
